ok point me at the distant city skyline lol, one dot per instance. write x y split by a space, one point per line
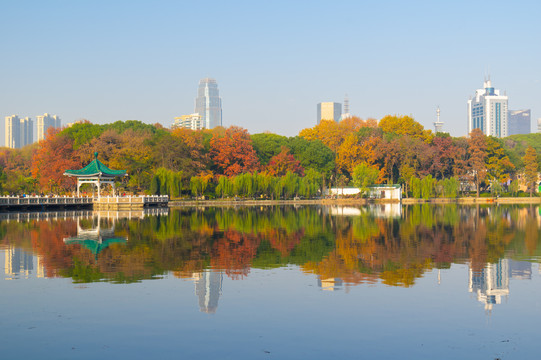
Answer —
19 132
270 77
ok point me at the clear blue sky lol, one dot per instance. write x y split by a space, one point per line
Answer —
273 60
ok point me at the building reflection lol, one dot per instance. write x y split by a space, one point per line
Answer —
491 284
20 264
386 210
208 288
330 284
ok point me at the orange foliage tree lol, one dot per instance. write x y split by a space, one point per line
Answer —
54 155
280 164
233 152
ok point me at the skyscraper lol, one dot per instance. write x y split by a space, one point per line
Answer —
208 103
519 122
19 132
44 122
329 111
26 131
487 111
13 132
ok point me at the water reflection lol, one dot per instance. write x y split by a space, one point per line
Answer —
343 247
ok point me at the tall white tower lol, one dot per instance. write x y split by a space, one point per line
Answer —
438 125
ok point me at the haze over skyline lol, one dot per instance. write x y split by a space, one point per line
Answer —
273 62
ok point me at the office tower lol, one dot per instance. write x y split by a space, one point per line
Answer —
519 122
539 125
26 131
208 103
44 122
488 111
13 132
438 125
192 121
329 111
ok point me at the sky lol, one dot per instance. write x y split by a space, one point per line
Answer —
273 60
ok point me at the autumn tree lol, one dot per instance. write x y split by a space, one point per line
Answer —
477 149
329 132
405 125
283 163
233 153
530 169
54 155
499 167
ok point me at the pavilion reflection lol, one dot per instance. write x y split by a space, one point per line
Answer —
96 238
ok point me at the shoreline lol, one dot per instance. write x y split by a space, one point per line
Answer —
357 202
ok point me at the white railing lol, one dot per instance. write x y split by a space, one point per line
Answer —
143 199
44 200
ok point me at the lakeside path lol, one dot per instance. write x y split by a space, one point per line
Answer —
358 202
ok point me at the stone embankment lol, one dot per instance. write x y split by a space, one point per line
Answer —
359 202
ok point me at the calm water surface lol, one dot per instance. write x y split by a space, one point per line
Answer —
386 282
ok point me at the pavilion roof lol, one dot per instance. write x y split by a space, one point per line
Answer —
95 168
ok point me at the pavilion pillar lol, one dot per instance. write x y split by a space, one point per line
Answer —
78 186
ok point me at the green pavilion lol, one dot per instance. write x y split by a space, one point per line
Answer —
96 173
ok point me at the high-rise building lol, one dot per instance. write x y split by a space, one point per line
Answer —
539 125
192 121
13 132
208 103
27 131
487 111
519 122
329 111
44 122
18 132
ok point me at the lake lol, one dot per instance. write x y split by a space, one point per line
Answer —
273 282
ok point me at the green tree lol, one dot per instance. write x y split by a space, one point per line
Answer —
364 175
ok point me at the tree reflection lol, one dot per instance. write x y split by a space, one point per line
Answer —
363 248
